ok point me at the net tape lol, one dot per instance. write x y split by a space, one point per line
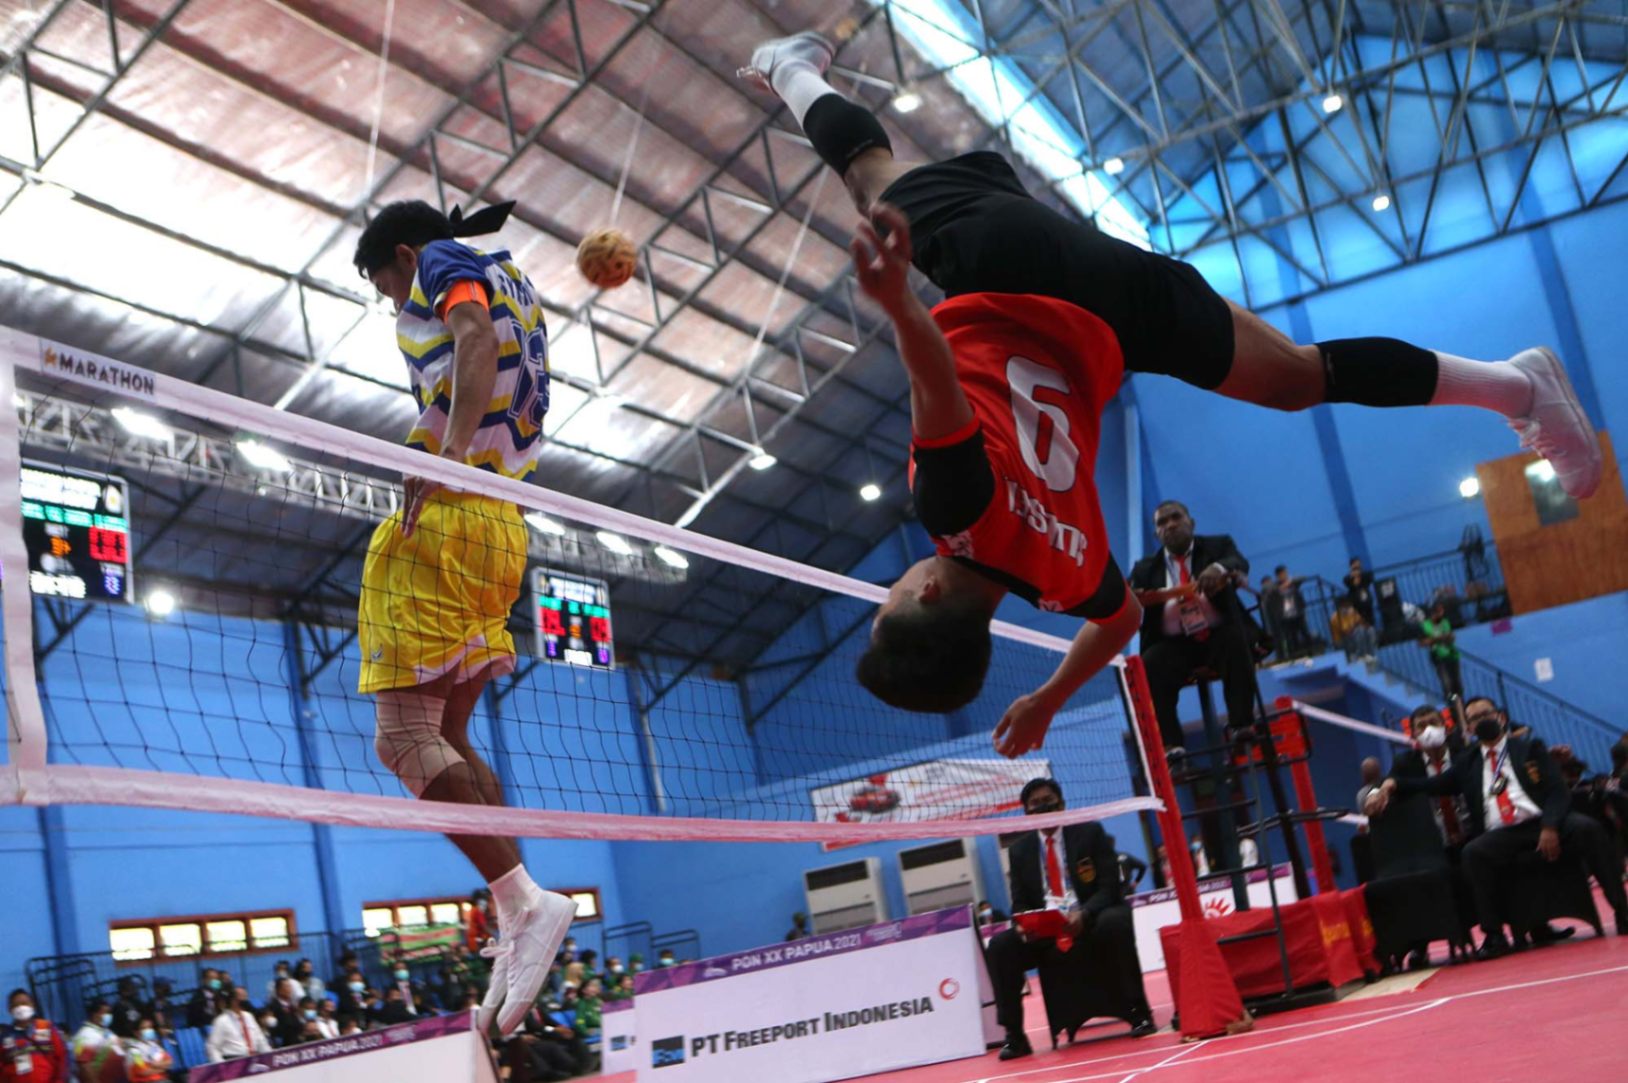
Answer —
245 706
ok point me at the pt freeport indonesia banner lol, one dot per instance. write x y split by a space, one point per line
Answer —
828 1007
934 790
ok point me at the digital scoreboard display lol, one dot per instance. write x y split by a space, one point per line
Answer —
573 619
76 526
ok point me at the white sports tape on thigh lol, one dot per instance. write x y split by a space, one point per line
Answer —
409 740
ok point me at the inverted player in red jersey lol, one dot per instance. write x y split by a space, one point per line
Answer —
1042 317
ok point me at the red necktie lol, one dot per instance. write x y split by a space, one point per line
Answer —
1186 578
1449 820
1054 868
1506 807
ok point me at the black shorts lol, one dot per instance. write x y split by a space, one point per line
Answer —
976 230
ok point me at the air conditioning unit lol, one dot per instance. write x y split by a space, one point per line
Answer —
845 896
940 876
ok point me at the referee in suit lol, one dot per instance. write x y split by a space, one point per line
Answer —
1191 618
1516 802
1073 869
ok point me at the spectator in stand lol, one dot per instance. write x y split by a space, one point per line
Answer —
573 975
327 1020
799 926
479 924
590 960
1270 608
1161 866
206 1000
32 1049
306 975
554 983
1351 633
1294 639
145 1058
396 1008
665 958
353 994
401 981
375 1006
160 1008
348 964
1359 587
620 989
284 973
127 1008
283 1009
349 1024
635 963
590 1009
1131 871
235 1032
95 1046
615 969
1444 653
989 914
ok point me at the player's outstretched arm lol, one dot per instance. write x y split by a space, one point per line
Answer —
1023 727
938 407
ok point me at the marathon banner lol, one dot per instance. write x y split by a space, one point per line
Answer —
867 1000
935 790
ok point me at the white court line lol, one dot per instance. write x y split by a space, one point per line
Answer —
1171 1059
1389 1013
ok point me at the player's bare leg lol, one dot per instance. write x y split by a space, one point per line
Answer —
424 738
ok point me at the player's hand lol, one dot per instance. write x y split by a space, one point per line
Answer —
1549 844
1023 727
418 491
881 252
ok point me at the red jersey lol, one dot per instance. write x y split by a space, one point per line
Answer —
33 1052
1037 372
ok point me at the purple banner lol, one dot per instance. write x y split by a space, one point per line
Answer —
617 1005
417 1030
1205 886
797 951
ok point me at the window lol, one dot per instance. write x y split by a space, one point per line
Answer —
587 900
406 913
203 934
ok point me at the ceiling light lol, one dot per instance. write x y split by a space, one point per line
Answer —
1333 103
671 557
907 101
614 542
1382 202
264 456
543 524
1469 487
870 491
762 460
139 424
1114 166
160 603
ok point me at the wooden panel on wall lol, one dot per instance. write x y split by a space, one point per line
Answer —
1562 562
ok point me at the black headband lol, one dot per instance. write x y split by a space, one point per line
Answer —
484 221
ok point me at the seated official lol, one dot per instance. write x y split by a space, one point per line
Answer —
1191 619
1099 922
1516 801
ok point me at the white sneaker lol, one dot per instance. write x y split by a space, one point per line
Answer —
500 952
1556 427
534 940
808 46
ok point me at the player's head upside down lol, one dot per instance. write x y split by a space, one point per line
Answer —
930 641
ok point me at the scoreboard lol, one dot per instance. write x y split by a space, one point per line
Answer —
573 619
76 526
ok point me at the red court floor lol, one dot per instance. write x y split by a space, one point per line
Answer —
1556 1013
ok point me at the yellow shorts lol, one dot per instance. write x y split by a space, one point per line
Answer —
438 602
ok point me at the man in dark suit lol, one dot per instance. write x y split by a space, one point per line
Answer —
1191 618
1516 801
1073 870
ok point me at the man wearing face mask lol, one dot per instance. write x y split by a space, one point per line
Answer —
1073 870
1516 801
284 1012
206 1001
32 1049
96 1053
145 1058
402 981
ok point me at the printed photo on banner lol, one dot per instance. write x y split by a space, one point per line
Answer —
934 790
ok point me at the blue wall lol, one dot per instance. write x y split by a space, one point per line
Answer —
1584 641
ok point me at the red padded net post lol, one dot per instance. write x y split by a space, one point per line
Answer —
1207 998
1306 796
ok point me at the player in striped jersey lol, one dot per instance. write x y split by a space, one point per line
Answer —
443 572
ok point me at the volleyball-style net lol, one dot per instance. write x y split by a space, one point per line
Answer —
188 639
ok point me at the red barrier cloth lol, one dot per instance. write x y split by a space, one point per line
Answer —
1317 932
1363 940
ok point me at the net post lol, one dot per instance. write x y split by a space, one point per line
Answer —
1207 998
25 737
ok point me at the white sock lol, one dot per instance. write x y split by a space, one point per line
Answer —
799 85
1491 385
513 891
